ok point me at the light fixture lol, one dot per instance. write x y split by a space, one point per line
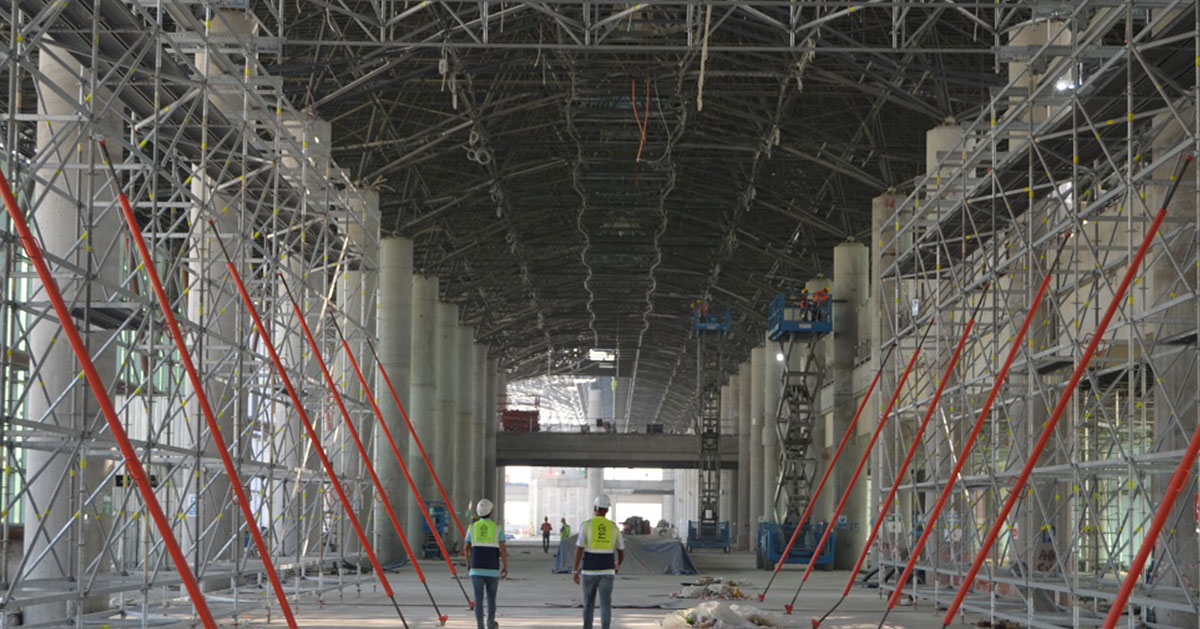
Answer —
601 355
779 357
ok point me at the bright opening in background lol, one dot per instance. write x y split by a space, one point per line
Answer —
533 494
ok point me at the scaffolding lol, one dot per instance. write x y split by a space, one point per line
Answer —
1080 145
204 142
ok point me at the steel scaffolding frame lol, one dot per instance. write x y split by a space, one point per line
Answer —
1080 144
203 134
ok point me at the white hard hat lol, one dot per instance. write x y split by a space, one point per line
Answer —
484 508
602 502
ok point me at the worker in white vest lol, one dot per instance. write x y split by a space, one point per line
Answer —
488 556
601 549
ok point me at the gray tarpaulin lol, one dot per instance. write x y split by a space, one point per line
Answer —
644 554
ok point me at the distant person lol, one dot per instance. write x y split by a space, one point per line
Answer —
547 528
487 556
564 529
602 550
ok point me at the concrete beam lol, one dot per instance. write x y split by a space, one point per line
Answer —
606 450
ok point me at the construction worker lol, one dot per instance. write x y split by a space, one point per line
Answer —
487 555
601 549
564 529
547 528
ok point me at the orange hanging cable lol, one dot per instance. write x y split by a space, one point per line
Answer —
164 304
132 464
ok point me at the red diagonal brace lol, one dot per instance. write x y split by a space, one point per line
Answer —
861 463
1048 429
837 454
132 464
308 427
387 432
420 448
912 448
210 418
965 452
358 444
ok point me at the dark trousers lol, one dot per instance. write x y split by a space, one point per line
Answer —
488 586
545 542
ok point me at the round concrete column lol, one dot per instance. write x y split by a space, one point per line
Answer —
67 212
501 477
478 456
465 372
742 400
850 288
756 440
423 406
448 356
490 472
772 385
395 352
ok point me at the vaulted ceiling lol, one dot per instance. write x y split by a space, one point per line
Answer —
579 173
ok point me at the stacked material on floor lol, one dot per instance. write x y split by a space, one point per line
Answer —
709 589
718 614
644 554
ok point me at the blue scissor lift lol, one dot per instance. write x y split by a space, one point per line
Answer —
709 531
796 320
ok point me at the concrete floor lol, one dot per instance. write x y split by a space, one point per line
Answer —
533 597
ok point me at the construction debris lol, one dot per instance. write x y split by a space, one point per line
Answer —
720 615
710 588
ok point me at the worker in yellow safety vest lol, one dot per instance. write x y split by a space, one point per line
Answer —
602 550
487 553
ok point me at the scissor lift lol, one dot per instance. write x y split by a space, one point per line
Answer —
797 321
709 531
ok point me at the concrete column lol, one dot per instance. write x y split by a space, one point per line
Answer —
478 456
395 352
595 479
422 409
756 439
501 476
206 304
595 475
725 504
825 503
443 448
1175 388
850 289
742 390
64 216
884 307
490 473
465 371
772 388
728 431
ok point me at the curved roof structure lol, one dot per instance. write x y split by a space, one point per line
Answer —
578 174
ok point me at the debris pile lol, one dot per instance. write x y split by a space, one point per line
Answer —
713 589
720 615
